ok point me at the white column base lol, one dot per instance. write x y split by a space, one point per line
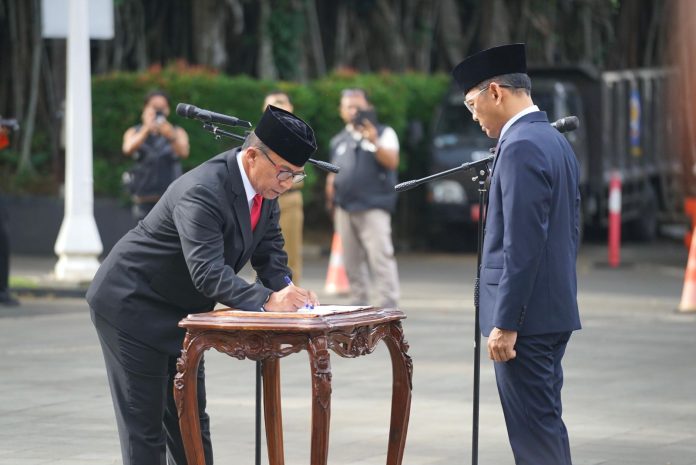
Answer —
78 248
76 268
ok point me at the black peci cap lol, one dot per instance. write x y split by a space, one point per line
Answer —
505 59
287 135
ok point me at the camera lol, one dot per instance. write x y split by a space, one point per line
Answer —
160 117
363 115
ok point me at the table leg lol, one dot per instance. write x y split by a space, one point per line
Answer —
272 411
320 365
402 372
186 398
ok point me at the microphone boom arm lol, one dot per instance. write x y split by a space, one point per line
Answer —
478 164
217 132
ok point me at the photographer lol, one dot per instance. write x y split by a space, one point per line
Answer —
157 147
364 198
6 298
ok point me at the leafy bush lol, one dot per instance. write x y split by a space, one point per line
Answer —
117 100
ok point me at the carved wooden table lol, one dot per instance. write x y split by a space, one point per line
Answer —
271 336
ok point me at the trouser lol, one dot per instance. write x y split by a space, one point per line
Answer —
141 382
4 250
368 249
291 221
530 393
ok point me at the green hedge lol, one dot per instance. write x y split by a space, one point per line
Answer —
117 100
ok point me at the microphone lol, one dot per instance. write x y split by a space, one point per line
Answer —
569 123
324 165
190 111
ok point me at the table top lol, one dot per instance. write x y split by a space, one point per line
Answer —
236 320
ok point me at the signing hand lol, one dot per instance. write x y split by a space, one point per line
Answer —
290 299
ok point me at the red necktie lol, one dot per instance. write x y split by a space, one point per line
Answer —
256 211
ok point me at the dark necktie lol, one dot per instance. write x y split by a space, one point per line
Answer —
256 211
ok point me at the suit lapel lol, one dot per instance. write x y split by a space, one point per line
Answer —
240 206
533 117
497 153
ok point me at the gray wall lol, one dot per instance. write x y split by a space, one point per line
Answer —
34 222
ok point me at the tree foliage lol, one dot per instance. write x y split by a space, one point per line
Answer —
303 40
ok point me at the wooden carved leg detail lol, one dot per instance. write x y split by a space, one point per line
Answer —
272 411
402 372
185 396
320 365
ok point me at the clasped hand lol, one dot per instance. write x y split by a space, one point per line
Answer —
501 345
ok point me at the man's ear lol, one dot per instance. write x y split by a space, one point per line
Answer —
496 92
251 155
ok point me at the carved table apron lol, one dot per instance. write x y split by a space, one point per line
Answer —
270 336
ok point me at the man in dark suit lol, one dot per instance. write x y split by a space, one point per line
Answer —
182 258
528 286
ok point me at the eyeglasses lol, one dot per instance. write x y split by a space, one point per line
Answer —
284 175
469 103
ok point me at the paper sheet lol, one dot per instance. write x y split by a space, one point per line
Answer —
328 309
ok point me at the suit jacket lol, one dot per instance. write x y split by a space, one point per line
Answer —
528 277
185 255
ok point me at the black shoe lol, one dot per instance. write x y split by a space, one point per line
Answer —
7 300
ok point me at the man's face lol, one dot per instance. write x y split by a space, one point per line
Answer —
351 104
278 100
484 105
264 169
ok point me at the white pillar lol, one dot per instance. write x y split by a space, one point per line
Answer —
78 244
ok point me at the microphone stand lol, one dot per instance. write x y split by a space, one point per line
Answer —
482 174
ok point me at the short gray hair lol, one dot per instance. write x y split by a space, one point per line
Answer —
252 140
517 81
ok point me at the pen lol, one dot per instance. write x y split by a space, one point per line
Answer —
288 281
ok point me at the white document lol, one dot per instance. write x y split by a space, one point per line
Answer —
328 309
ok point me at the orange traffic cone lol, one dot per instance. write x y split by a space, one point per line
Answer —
336 277
688 300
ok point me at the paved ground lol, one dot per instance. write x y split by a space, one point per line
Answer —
630 394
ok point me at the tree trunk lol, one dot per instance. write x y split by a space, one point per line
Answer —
52 117
265 67
17 45
684 96
423 18
25 164
314 37
141 43
387 27
341 42
454 39
209 31
495 24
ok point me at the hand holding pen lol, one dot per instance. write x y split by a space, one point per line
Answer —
290 299
308 304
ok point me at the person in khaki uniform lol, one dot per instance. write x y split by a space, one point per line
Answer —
291 204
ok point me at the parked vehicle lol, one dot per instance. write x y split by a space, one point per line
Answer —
624 128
